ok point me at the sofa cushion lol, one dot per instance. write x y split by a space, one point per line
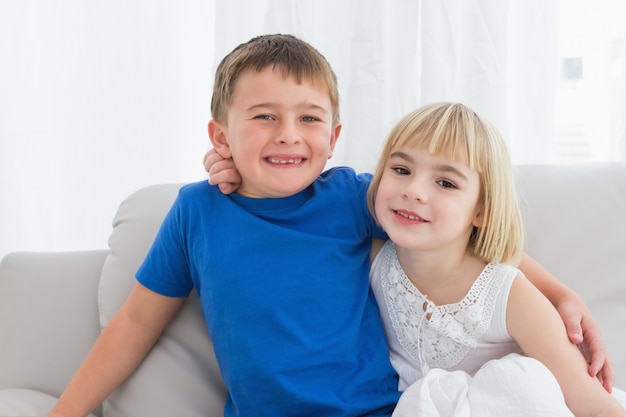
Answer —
25 402
180 375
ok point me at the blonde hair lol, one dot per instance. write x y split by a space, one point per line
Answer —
457 132
290 55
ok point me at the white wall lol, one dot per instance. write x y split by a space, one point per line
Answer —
97 99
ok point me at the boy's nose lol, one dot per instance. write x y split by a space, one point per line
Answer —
288 140
289 134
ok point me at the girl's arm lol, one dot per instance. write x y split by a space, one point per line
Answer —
537 327
580 325
222 172
119 349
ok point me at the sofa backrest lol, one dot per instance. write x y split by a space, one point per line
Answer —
180 375
575 227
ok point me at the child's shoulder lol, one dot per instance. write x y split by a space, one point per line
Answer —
346 176
202 186
197 191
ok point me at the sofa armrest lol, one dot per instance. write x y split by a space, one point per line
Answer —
48 316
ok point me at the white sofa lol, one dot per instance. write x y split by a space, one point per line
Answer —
52 305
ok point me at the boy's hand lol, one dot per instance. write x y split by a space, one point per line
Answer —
583 330
221 172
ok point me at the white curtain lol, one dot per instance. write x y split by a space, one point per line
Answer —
100 98
498 56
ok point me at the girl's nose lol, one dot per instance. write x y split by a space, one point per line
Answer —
415 190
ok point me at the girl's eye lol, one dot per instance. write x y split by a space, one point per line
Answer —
401 171
446 184
264 117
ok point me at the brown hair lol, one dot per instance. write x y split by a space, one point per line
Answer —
292 56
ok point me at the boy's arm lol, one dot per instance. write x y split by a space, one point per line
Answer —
533 322
581 326
119 349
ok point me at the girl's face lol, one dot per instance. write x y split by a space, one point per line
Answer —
427 202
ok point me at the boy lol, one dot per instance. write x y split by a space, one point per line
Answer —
281 267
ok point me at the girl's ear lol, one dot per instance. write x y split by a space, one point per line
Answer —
477 221
217 134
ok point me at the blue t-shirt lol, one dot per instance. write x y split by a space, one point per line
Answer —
285 293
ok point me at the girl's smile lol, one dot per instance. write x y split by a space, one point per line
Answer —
409 216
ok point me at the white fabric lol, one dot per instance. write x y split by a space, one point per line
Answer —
421 335
620 396
513 386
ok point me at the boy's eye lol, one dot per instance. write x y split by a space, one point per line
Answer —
401 171
309 119
264 117
446 184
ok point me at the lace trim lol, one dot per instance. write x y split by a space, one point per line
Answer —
437 336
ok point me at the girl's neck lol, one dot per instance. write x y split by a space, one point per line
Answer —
445 277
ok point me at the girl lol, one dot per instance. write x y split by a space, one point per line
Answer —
448 292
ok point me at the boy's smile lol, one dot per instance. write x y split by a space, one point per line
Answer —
279 133
284 161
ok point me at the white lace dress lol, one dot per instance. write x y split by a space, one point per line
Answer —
459 336
443 353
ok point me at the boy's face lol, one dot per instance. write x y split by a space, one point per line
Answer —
279 133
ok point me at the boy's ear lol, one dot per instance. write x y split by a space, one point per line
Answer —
334 135
217 134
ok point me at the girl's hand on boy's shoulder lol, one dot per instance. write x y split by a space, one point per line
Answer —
222 172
